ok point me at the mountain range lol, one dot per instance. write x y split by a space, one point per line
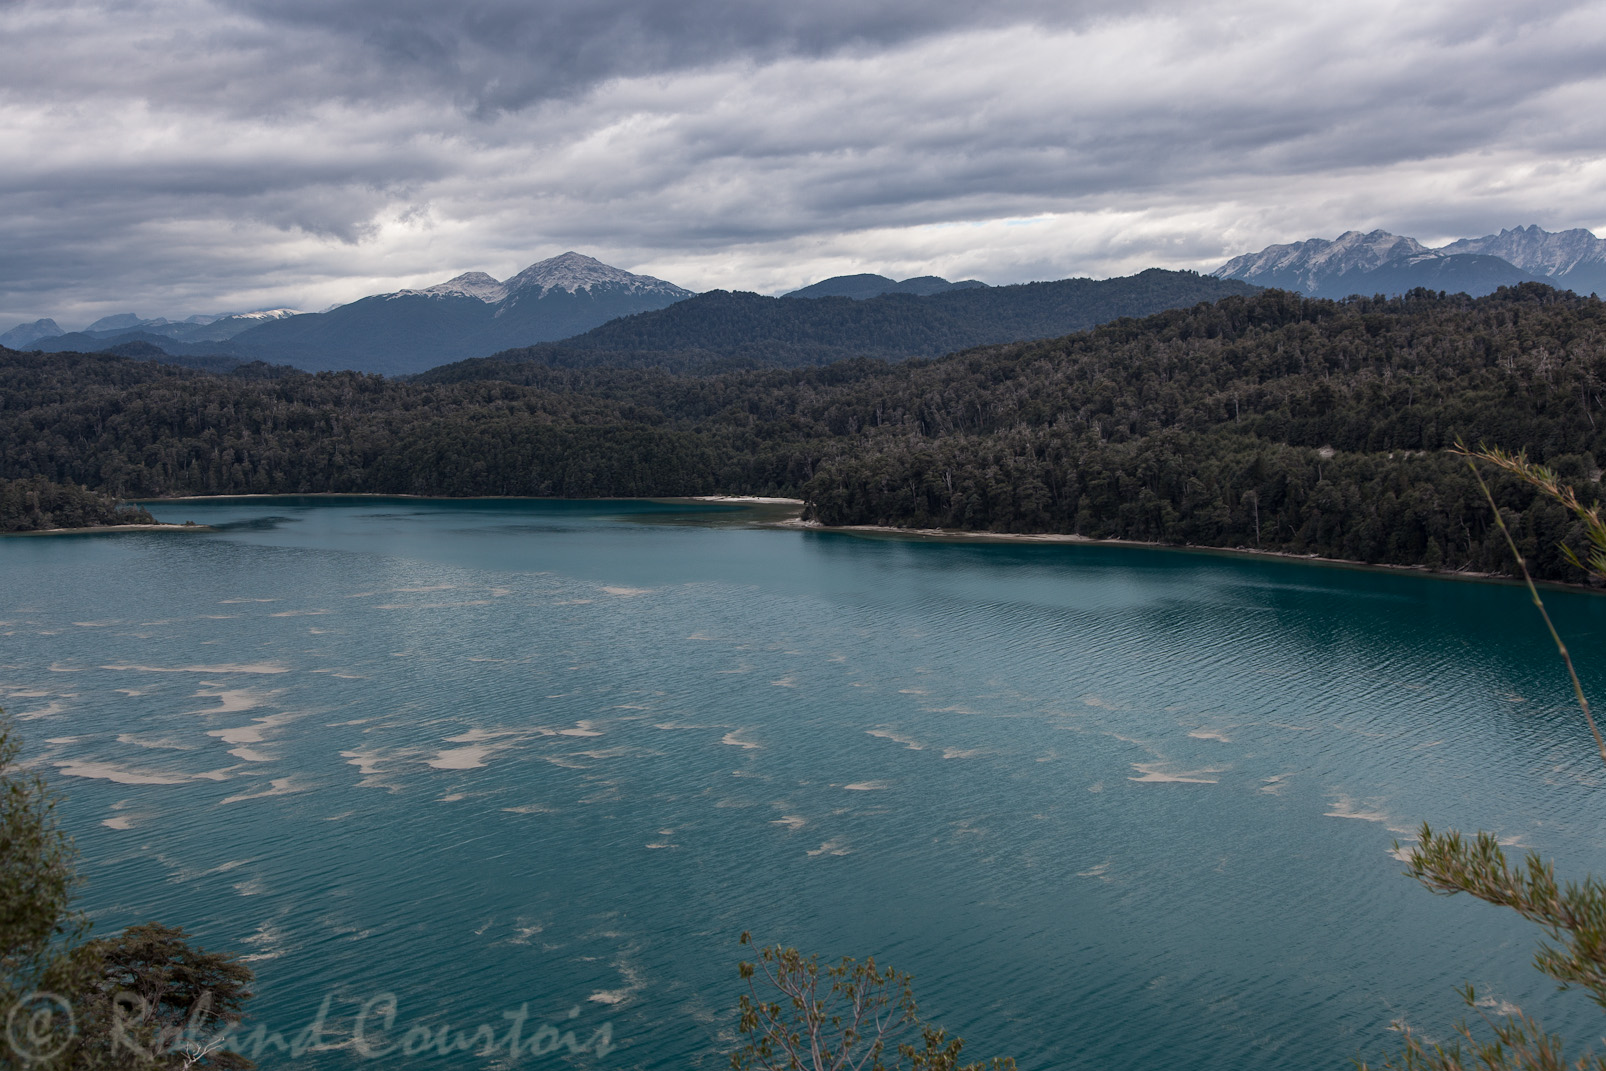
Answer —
406 331
604 315
1382 263
573 310
721 329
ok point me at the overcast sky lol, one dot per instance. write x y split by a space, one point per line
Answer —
171 157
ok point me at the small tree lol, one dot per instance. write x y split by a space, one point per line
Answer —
159 999
858 1023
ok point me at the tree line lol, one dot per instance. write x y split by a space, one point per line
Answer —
1264 420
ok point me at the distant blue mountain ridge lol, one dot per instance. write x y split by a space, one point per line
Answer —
474 315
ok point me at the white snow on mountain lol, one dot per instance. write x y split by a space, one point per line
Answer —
1536 251
569 271
261 314
473 284
573 271
1350 251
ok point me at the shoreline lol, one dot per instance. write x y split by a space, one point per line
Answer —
946 535
98 529
740 499
958 535
737 499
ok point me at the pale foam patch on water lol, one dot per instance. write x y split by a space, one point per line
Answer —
300 613
122 775
531 808
1274 785
1211 734
581 728
252 733
831 847
49 710
475 736
268 940
868 786
624 592
619 752
278 786
1367 811
962 753
1502 1008
734 739
154 743
897 738
1154 773
248 667
463 758
232 700
792 822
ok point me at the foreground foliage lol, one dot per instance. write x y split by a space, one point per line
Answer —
144 998
859 1021
1573 914
1266 421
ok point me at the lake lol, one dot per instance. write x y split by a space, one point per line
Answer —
461 763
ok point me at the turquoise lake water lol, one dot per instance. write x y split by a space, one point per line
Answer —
1110 806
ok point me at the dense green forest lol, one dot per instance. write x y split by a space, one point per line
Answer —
1266 420
32 505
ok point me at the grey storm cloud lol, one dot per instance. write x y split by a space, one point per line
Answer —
506 54
180 156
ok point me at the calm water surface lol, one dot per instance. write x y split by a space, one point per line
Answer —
1111 806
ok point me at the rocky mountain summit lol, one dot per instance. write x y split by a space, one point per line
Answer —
570 272
1381 262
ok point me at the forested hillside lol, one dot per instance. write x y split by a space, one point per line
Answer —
1262 421
723 330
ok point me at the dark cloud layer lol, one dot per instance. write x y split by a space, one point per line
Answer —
507 54
177 156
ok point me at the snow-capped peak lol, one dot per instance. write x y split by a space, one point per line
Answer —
260 314
1540 252
1350 251
474 284
573 271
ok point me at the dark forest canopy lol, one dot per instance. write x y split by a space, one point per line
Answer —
1267 421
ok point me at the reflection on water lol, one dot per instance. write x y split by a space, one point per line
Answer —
1110 805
